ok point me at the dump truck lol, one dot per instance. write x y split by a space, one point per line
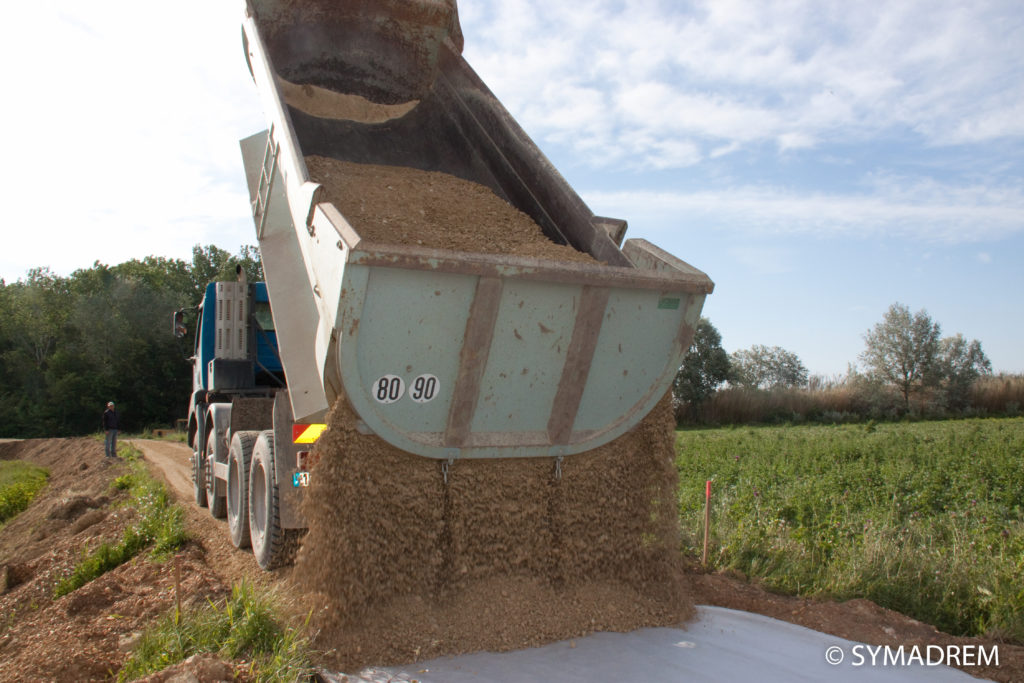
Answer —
445 353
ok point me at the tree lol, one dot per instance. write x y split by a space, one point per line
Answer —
70 344
213 264
961 363
763 367
704 368
903 350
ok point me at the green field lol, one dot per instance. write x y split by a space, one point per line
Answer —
19 483
925 518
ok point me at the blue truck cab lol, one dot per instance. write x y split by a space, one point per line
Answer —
236 353
236 344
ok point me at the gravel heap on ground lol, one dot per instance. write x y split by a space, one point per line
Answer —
403 567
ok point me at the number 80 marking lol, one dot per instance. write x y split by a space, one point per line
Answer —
388 389
391 388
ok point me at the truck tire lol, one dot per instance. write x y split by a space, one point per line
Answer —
238 487
265 532
198 479
214 488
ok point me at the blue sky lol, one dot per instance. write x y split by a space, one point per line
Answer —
819 160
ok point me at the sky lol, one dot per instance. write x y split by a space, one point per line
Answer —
820 161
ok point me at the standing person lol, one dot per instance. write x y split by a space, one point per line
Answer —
110 426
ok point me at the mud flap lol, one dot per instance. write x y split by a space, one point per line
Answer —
290 494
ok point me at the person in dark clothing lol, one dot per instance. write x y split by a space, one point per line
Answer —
110 427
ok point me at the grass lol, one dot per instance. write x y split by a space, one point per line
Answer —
924 518
19 483
149 433
243 627
160 526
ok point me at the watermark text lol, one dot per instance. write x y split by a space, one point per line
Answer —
914 655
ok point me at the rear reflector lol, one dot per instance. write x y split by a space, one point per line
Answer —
307 433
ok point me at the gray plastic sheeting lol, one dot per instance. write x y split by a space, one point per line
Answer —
720 645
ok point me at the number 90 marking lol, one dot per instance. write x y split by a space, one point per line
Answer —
424 388
391 388
388 389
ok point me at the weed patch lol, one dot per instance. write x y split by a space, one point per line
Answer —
161 526
19 484
245 626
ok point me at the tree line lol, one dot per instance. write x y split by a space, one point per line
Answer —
908 368
70 344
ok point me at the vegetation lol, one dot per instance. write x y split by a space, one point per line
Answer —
705 367
761 367
160 526
924 518
243 627
910 372
19 484
70 344
907 352
855 398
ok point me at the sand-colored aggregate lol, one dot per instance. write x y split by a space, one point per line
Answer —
402 566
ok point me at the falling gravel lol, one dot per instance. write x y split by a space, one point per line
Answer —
400 564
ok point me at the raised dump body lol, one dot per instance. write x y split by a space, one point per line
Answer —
444 353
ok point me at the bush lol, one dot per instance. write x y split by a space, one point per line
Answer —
849 399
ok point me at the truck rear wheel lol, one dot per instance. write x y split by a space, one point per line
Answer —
238 487
214 488
268 539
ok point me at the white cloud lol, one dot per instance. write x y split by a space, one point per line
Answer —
920 211
724 73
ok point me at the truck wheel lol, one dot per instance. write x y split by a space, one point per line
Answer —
214 488
238 487
268 539
198 485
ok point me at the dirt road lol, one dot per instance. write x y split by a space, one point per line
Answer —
171 461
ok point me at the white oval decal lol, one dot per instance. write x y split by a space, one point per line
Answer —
388 389
424 388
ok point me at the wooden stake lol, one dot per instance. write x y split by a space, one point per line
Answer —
177 590
707 523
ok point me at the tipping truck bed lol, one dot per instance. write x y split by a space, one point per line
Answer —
497 463
445 353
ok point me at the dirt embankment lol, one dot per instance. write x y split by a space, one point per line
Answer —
85 635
